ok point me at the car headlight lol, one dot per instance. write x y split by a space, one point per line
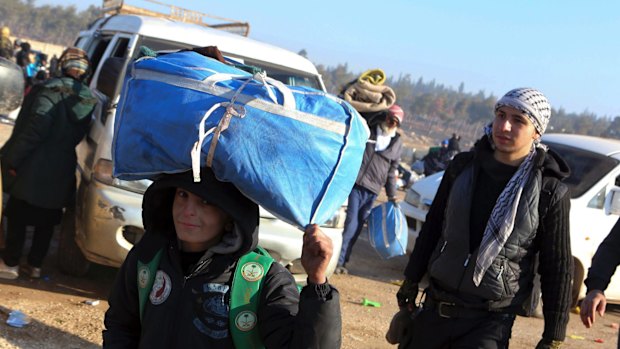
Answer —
413 197
337 220
103 173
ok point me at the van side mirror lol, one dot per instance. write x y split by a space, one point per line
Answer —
612 201
111 77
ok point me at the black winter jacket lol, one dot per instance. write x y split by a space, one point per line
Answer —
53 120
550 238
379 167
605 261
193 311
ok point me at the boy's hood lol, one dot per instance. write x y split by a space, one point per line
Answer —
157 209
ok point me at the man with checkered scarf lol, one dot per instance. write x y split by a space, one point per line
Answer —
500 210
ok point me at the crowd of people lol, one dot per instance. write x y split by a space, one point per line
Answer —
500 216
36 65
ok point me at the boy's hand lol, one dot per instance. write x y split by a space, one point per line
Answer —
316 254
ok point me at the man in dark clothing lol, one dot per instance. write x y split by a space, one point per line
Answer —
453 143
604 264
202 230
437 159
379 169
22 57
38 162
496 209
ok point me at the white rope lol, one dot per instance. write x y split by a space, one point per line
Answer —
262 77
195 152
221 126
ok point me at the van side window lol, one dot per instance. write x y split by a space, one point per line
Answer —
120 51
96 52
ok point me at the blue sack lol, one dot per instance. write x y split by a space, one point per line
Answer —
295 151
387 230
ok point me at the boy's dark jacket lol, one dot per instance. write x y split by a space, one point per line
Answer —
550 238
195 313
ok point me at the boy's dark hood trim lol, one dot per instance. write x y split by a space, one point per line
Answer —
157 208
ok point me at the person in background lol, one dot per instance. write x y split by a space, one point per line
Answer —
6 46
36 71
379 168
202 231
437 159
22 57
38 161
604 264
453 143
53 65
497 208
17 44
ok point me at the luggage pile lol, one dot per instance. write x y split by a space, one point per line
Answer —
368 93
295 151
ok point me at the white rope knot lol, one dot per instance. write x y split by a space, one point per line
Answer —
232 110
262 78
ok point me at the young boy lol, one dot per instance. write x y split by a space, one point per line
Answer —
202 230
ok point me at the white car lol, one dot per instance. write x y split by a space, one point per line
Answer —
107 219
595 171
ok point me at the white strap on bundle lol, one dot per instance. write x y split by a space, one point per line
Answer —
232 110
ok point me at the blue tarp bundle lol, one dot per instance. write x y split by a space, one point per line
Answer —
387 230
295 151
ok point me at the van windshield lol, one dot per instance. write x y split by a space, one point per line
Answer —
287 76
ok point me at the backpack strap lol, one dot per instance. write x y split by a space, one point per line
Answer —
244 298
146 278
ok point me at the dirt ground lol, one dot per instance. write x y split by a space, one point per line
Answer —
59 318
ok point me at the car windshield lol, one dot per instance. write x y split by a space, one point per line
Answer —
586 167
289 77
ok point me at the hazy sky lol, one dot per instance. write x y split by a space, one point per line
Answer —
568 49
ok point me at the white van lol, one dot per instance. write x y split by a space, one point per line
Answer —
107 219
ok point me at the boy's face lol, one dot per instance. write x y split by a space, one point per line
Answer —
198 224
513 132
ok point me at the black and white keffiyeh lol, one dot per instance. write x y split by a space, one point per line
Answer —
531 102
502 219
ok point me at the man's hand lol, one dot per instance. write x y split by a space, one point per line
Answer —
595 302
316 253
549 344
407 294
394 200
401 322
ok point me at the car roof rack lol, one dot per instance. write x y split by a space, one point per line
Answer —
113 7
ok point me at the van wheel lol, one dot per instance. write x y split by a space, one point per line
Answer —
70 259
